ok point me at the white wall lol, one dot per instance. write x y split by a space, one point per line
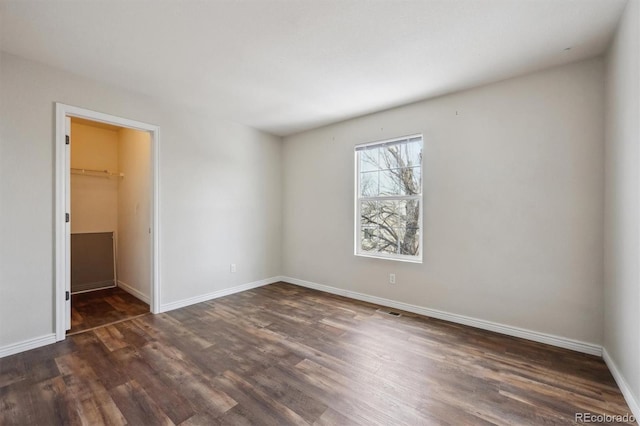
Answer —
513 218
94 198
134 212
219 194
622 284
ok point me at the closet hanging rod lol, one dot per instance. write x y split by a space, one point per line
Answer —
76 170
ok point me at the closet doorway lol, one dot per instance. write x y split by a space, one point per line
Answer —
106 196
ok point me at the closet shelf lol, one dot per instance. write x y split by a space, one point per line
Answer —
93 172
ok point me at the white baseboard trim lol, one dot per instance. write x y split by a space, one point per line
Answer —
134 292
562 342
26 345
632 400
216 294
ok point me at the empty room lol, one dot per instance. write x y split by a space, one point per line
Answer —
331 212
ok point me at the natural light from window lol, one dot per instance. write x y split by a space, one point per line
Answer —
389 199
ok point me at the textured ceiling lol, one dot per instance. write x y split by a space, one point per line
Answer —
287 66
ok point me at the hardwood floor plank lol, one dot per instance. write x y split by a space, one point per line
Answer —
100 360
54 406
165 394
15 405
194 384
310 409
83 384
377 397
94 411
348 406
102 307
110 337
267 409
137 406
164 326
242 415
132 335
12 370
330 417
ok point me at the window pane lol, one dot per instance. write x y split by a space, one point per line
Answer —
369 159
389 182
400 232
411 153
385 219
369 239
369 214
408 213
410 242
387 214
410 181
369 226
386 247
390 226
389 156
369 184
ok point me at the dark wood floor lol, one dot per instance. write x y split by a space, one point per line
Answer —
101 307
282 354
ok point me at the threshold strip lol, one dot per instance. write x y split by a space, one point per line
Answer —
106 325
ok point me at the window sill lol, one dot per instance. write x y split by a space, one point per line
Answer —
395 259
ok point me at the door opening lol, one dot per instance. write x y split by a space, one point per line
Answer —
107 217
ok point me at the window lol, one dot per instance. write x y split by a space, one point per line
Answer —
389 199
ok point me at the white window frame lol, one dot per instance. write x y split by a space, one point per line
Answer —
358 198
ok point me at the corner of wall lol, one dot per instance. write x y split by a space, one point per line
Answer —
621 291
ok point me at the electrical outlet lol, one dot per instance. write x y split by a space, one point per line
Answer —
392 278
233 268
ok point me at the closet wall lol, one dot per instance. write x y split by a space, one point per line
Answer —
94 200
134 204
118 204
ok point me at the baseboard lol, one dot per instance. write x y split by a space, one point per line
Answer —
134 292
26 345
632 400
562 342
216 294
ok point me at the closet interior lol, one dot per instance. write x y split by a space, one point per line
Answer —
110 181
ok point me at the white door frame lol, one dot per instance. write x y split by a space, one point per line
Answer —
62 171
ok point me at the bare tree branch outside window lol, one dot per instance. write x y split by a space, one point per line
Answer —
389 197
